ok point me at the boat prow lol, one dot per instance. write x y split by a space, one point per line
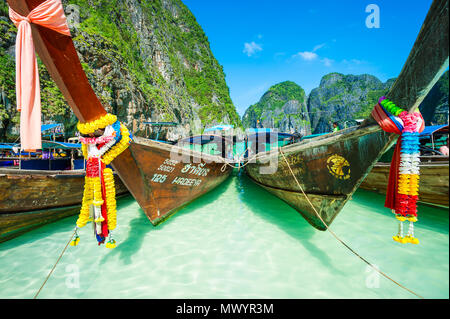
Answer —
318 176
329 169
169 176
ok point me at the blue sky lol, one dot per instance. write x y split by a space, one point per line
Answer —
261 43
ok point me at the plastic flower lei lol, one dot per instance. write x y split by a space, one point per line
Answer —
403 187
99 196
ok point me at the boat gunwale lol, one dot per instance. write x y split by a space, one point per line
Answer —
323 140
15 171
171 148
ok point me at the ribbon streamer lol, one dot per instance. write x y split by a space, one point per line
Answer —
49 14
403 187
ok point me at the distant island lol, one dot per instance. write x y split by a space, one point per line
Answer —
339 98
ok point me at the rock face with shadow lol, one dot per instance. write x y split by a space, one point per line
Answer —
147 60
282 107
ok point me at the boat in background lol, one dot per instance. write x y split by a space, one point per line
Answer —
159 183
434 168
156 129
318 176
41 188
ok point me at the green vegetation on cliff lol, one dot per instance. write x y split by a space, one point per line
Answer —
283 106
146 60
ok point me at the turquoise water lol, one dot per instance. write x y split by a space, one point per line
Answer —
237 241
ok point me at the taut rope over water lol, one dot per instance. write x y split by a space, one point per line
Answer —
54 266
340 240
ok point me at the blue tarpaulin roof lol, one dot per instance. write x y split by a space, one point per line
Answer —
46 127
259 130
432 129
219 128
61 145
6 146
202 139
45 145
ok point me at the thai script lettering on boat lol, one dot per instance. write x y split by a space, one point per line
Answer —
195 169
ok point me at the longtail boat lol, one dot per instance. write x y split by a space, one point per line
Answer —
433 182
329 168
42 187
158 183
434 170
31 198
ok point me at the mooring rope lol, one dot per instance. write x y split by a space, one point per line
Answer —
54 266
339 239
241 158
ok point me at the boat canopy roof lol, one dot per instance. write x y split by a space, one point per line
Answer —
259 130
222 127
61 145
54 128
202 139
313 135
430 130
269 135
45 145
7 146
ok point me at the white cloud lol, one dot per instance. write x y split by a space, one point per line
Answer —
327 62
308 56
317 47
251 48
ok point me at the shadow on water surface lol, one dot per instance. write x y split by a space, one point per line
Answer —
277 212
140 226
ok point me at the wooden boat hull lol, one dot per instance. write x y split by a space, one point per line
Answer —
329 169
136 170
33 198
433 183
170 176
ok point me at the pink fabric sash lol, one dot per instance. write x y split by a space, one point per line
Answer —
49 14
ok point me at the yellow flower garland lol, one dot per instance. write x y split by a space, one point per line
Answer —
102 122
93 189
119 147
83 218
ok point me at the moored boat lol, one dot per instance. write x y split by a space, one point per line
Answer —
434 169
40 190
318 176
158 183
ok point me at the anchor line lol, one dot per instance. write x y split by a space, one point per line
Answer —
54 266
340 240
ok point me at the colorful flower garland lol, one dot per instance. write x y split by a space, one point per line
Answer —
408 171
99 196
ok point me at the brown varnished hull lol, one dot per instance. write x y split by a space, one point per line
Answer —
330 168
136 170
327 186
33 198
24 191
433 183
168 181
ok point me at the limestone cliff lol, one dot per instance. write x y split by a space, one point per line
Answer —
147 60
283 107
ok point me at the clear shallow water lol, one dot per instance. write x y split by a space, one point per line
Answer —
237 241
